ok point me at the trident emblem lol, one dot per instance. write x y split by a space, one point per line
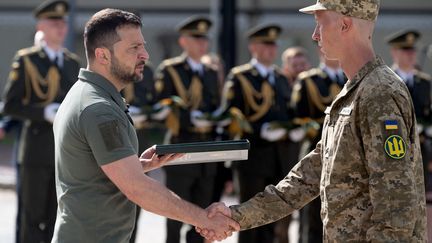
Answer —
395 147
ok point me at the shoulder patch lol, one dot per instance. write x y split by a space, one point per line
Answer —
241 68
71 55
172 61
312 72
395 147
28 51
425 76
111 135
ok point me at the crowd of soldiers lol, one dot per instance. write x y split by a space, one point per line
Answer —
188 99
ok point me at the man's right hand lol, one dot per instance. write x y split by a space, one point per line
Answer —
219 211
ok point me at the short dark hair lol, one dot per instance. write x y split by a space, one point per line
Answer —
101 29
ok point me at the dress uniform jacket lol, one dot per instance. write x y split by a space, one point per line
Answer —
312 93
35 82
28 91
141 94
366 168
201 93
421 93
260 102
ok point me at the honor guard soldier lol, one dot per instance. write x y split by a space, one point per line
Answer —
39 80
404 54
314 90
196 84
262 93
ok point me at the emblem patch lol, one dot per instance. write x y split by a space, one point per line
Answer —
395 147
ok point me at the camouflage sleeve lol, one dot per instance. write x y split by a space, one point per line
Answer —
392 154
298 188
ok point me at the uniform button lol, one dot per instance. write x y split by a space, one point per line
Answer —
42 226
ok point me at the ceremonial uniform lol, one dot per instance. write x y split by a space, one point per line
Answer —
366 168
198 91
263 100
36 82
313 92
420 86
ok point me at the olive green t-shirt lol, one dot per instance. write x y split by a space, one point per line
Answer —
92 128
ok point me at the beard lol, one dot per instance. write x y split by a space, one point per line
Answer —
121 72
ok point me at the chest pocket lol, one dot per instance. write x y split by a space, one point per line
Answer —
339 139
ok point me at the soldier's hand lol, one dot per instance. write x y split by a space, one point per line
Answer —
198 120
272 134
297 134
50 112
161 114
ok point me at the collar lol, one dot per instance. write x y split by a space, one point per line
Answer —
366 69
104 84
405 76
195 66
263 70
331 72
52 54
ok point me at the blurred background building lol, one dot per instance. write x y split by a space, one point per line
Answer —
231 16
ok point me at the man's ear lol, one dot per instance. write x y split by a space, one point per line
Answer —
347 23
103 55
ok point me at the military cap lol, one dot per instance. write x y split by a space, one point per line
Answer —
404 39
362 9
51 9
268 33
197 26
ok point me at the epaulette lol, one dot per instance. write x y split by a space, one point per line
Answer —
71 55
311 72
425 76
241 68
172 61
28 51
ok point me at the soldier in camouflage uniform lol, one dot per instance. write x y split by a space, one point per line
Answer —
262 93
367 167
403 51
39 80
196 84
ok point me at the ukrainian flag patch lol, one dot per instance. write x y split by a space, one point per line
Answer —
391 125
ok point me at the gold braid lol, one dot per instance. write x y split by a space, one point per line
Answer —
315 96
250 94
52 81
193 96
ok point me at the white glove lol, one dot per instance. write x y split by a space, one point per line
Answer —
297 134
138 119
133 110
419 128
271 135
50 112
162 114
225 122
197 120
428 131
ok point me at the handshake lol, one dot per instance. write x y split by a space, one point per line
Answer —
219 224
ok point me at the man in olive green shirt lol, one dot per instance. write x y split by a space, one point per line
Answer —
99 176
367 168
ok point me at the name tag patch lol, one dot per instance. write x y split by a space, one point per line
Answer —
346 111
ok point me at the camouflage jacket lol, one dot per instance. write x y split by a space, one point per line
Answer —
366 168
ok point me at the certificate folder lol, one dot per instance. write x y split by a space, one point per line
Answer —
202 152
